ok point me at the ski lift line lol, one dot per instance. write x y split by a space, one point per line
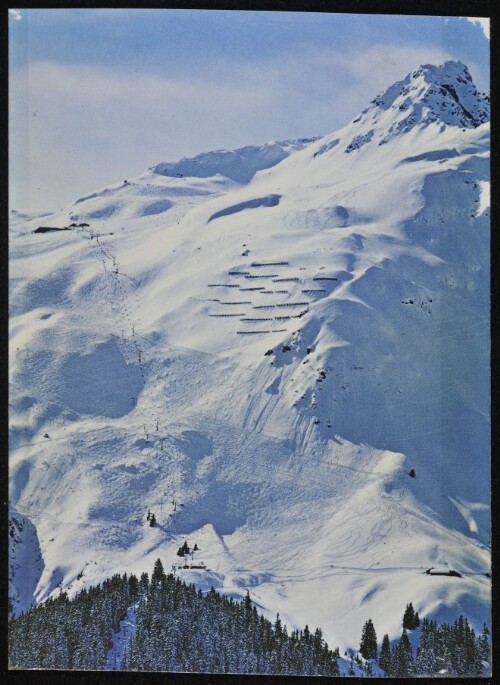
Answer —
121 295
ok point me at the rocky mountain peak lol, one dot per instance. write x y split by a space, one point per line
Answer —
429 94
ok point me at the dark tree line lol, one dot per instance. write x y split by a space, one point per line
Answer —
72 634
180 629
450 649
177 629
455 648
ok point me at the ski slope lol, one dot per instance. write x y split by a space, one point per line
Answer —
258 347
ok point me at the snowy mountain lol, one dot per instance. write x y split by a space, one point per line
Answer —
239 165
430 94
281 352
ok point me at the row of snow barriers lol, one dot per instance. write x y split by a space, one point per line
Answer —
273 296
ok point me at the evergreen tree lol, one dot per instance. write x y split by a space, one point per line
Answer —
133 587
183 549
368 644
402 657
158 572
144 583
410 618
385 655
318 643
484 645
277 627
426 663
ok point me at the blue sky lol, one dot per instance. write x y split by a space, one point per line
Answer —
99 95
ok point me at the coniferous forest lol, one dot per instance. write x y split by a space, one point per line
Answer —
178 628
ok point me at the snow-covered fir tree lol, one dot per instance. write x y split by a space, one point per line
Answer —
368 645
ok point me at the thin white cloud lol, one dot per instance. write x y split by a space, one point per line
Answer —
306 84
15 14
382 65
93 86
86 126
483 22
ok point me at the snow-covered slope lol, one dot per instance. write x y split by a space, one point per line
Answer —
263 364
239 165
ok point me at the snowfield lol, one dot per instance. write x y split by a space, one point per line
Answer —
260 352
